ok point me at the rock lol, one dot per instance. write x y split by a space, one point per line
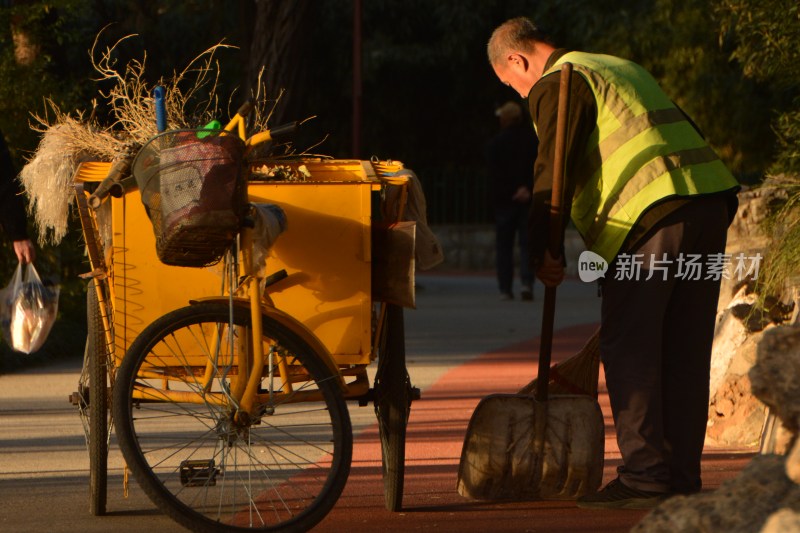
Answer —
793 462
742 504
730 334
745 234
775 438
791 298
735 416
774 377
782 521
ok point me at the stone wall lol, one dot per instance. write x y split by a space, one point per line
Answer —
471 248
736 416
762 498
466 247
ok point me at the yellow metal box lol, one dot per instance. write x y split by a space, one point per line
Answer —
325 250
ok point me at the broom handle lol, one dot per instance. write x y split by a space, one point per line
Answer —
555 224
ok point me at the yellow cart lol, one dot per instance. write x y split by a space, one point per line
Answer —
222 432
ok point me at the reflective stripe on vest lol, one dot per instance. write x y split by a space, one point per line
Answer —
643 150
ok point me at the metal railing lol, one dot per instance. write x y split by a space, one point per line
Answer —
456 196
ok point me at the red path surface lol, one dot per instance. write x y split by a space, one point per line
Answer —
435 434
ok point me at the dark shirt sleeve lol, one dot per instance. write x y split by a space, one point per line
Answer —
12 207
543 104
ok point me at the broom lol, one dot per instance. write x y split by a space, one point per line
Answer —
576 375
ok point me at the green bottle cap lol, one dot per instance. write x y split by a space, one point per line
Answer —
214 126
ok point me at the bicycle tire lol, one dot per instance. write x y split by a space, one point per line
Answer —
393 406
98 405
294 461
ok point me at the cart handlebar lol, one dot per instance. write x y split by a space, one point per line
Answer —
245 109
112 184
272 133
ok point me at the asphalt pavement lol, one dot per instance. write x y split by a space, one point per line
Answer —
462 342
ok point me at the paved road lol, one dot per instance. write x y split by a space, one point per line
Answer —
462 342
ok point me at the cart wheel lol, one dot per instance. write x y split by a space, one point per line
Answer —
392 405
96 362
209 468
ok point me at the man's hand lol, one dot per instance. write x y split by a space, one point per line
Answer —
551 271
25 251
522 195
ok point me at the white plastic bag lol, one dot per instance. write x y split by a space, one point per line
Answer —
28 309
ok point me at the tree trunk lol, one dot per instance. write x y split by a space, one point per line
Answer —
26 49
280 46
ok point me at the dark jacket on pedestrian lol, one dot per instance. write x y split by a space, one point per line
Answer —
12 207
510 156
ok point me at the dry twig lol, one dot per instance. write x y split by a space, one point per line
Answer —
191 101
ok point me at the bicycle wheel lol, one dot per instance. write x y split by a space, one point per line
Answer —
207 468
93 403
393 405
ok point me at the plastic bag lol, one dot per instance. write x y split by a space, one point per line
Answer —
270 222
28 309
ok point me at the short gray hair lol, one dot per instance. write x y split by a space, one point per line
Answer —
515 34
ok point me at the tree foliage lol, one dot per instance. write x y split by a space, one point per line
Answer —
764 36
678 42
52 40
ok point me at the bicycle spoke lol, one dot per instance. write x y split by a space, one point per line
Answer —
283 463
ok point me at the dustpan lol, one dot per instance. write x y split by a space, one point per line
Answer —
537 446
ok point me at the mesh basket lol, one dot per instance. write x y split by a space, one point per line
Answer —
192 189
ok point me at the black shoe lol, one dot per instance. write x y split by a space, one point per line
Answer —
617 495
527 294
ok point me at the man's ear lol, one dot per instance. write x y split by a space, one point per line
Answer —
518 62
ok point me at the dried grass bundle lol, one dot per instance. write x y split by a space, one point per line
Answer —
47 177
191 101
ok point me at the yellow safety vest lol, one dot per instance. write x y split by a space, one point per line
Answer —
642 151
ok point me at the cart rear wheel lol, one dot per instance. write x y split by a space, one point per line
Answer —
97 362
393 405
207 467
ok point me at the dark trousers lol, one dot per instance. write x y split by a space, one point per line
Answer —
511 223
655 345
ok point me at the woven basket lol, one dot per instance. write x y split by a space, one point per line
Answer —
193 191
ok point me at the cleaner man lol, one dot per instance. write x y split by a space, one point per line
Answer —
646 192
